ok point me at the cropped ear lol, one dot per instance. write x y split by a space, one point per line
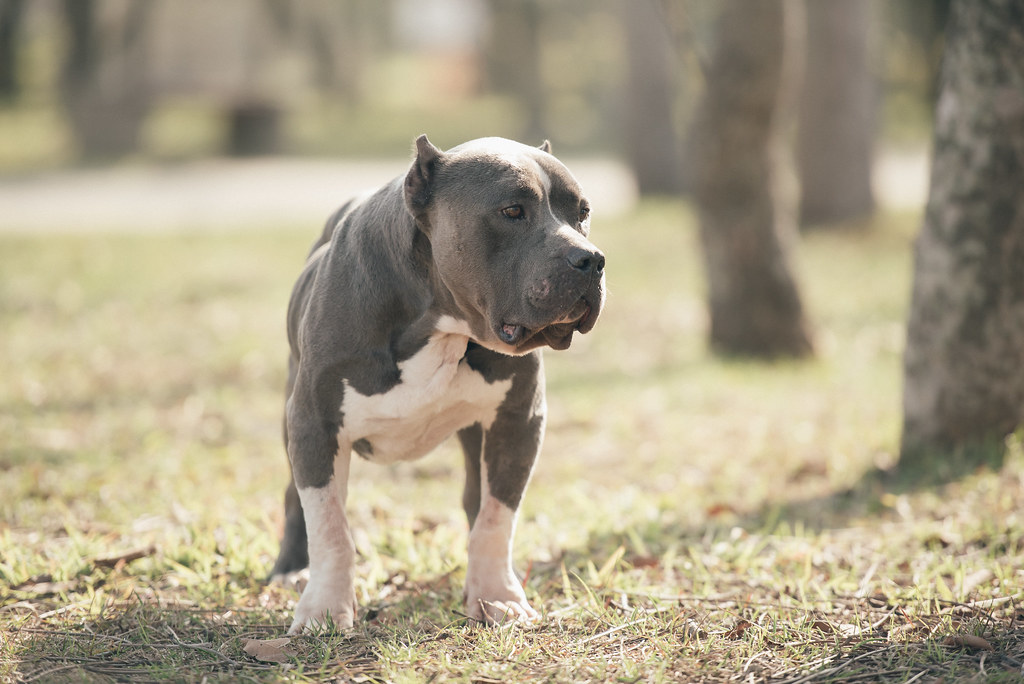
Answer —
420 179
545 146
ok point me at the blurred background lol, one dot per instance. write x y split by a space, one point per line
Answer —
213 113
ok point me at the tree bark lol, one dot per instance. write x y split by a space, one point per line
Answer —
651 141
746 215
513 58
254 129
836 130
12 13
103 82
964 359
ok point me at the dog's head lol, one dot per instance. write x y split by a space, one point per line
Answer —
508 227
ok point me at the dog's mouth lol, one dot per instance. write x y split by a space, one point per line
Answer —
557 334
511 333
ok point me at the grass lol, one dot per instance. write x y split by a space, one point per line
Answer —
692 518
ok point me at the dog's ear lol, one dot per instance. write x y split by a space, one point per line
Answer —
545 146
419 180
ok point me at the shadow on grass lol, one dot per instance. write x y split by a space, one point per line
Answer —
894 638
153 640
918 470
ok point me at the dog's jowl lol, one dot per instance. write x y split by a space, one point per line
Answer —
421 313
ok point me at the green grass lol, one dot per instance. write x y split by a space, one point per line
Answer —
691 518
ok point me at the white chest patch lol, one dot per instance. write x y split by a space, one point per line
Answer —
438 394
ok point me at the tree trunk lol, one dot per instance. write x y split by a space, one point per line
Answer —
836 129
11 14
964 361
746 216
651 140
103 83
513 58
254 129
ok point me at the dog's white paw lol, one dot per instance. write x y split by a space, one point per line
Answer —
320 605
500 605
493 594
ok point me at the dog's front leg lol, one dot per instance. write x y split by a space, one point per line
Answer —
493 593
510 446
322 488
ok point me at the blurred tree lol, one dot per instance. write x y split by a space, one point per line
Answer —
746 215
651 141
964 361
513 58
254 128
341 47
11 14
255 120
103 81
251 59
836 130
922 25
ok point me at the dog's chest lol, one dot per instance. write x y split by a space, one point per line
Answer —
438 394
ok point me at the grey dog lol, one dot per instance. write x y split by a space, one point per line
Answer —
421 313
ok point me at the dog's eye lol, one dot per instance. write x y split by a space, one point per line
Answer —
514 212
584 213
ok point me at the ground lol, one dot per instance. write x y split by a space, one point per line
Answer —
692 518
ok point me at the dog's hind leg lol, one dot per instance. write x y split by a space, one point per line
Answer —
472 440
294 554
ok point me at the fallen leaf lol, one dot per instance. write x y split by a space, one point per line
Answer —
741 627
968 641
270 650
878 600
823 626
717 509
644 562
847 630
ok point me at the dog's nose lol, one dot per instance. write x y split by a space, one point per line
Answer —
585 260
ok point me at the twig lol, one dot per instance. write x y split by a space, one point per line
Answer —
566 609
67 633
201 647
882 620
920 674
610 631
710 598
751 659
865 581
806 666
20 604
986 603
124 558
47 673
62 609
832 670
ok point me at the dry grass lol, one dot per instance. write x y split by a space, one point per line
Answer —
692 519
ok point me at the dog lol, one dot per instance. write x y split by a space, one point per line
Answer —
421 313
